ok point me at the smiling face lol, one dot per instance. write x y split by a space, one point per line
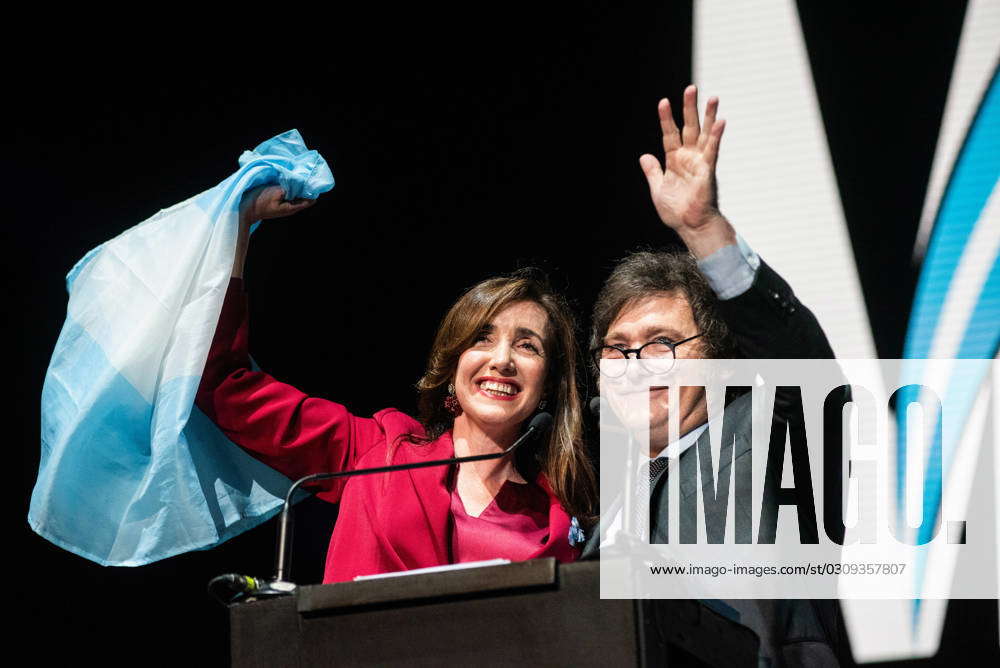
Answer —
500 379
669 316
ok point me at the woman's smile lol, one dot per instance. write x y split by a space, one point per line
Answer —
499 388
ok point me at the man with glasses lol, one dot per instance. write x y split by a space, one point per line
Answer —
716 301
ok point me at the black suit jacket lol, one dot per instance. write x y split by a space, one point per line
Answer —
768 322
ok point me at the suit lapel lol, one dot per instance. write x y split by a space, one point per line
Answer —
740 413
597 533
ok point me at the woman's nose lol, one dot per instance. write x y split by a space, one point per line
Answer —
502 359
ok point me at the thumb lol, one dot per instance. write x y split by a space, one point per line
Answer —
651 168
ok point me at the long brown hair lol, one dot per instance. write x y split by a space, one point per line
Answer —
563 458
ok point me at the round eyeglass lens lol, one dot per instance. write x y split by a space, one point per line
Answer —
610 353
656 357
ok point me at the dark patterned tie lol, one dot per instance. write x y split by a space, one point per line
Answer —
648 472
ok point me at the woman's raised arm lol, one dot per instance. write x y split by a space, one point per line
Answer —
285 428
262 203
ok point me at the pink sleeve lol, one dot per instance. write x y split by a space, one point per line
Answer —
286 429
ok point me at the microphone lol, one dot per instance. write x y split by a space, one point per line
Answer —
233 587
279 586
542 422
594 406
609 422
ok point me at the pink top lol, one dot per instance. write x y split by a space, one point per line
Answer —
514 526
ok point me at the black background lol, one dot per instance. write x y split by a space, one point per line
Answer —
464 145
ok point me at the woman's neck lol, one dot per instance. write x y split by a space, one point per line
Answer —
471 439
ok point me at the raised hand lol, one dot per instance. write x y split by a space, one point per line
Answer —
684 189
261 203
264 202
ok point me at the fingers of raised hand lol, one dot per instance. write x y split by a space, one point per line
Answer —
711 109
692 129
265 200
269 202
714 137
694 134
671 137
292 206
271 194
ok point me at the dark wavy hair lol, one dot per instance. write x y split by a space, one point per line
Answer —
563 457
646 273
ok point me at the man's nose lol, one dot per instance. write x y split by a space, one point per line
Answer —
635 371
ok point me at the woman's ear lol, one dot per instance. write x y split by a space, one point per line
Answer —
550 393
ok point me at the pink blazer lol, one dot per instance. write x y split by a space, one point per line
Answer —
388 521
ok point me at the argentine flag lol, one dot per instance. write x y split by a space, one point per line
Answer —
131 472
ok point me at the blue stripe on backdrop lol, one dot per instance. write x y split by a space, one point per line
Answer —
972 182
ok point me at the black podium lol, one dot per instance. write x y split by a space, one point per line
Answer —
532 613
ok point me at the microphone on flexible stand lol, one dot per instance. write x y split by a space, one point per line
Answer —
232 587
612 425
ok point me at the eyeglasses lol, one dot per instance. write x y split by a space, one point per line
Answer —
658 349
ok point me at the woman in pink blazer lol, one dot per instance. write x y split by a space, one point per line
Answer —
503 351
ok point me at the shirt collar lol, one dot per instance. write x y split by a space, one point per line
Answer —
680 445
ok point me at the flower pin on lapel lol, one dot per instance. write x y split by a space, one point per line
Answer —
576 535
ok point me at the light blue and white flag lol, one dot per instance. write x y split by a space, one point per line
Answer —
131 472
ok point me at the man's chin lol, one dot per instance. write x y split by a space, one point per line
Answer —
659 436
